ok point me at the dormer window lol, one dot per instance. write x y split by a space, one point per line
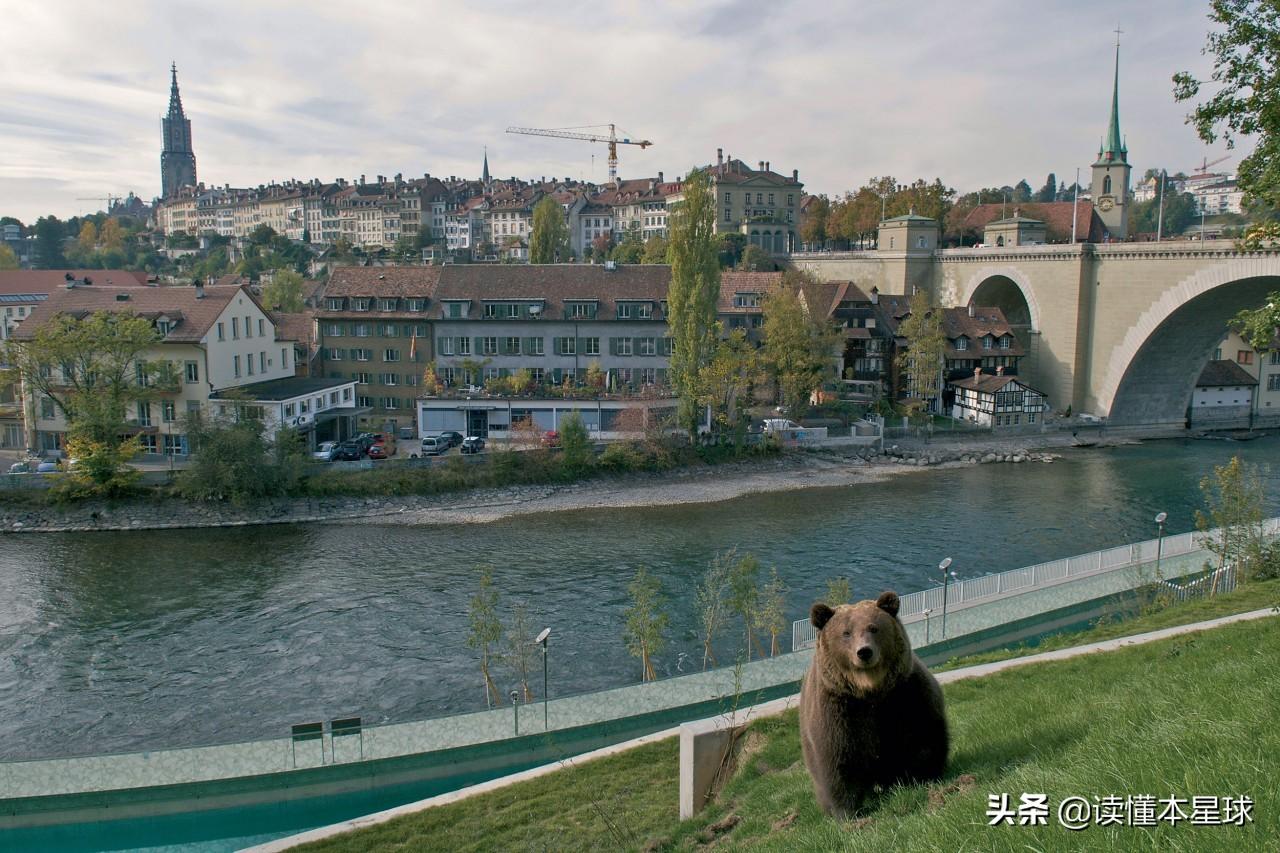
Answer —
962 343
387 304
624 311
417 304
582 310
746 300
360 304
1006 341
333 304
490 310
988 342
644 311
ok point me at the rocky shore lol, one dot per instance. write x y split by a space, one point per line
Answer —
832 467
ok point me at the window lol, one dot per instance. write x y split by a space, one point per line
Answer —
235 328
644 311
191 371
144 413
284 357
566 346
417 304
391 403
648 376
536 375
391 355
920 242
332 304
262 362
1273 382
624 311
590 346
582 310
47 410
235 365
464 346
248 327
648 346
770 198
362 354
454 310
988 342
962 343
262 333
727 216
411 379
363 330
289 410
168 411
334 330
489 346
346 395
728 197
1244 356
1106 185
534 346
362 378
511 345
387 304
364 402
389 330
390 378
490 310
622 345
360 304
445 345
512 311
1005 341
248 363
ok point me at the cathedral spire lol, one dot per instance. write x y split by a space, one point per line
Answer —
484 174
1113 148
175 99
177 158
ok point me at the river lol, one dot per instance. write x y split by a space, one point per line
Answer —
113 642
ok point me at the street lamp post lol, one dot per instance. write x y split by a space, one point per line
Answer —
1160 519
542 641
927 611
946 579
515 709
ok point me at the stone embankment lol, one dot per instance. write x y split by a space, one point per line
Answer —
812 469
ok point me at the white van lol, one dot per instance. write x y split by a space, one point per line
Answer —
434 445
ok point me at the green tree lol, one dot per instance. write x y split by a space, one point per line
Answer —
730 247
655 251
1179 214
1021 192
8 259
549 241
1258 326
756 259
772 618
111 235
101 469
1232 518
1049 192
711 603
799 344
839 592
920 361
284 292
484 630
629 251
233 460
646 623
726 381
521 652
575 445
49 235
1247 100
692 295
744 595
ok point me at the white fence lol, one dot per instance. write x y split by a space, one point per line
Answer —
1222 580
996 586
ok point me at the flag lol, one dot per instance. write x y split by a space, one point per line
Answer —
413 347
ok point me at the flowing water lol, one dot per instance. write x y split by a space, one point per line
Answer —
113 642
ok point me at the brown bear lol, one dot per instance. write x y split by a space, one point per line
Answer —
870 712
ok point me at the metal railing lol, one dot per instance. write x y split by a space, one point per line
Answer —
1016 581
1222 580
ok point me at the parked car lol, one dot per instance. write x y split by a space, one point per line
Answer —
20 468
454 438
365 440
327 451
383 449
434 445
551 438
472 444
349 451
47 468
773 425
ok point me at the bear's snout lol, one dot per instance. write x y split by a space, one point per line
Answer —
866 653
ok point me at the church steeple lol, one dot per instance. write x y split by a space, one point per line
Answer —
484 174
177 157
1113 149
1110 187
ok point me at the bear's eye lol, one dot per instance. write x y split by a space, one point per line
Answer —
848 634
873 629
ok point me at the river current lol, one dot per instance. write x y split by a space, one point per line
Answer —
113 642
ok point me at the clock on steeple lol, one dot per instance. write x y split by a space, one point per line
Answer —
1110 187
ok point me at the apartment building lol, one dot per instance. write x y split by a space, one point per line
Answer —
759 203
214 340
1262 367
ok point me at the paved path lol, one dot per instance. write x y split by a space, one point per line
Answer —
767 709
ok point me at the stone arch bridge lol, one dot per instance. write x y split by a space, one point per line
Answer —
1117 330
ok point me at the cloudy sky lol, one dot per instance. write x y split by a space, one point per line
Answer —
979 94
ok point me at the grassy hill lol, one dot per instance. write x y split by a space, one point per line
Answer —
1192 715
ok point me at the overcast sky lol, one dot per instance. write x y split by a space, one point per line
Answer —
979 94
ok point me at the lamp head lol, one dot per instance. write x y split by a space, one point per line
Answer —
542 637
945 564
1160 518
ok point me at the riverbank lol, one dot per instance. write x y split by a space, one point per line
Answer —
803 469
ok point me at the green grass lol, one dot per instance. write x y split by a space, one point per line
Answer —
1191 715
1252 596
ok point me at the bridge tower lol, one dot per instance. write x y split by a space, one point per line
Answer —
1110 187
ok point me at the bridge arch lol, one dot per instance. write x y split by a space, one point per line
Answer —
1006 288
1150 375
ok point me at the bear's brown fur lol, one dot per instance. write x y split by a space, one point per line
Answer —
870 711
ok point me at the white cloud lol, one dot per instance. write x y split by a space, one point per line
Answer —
981 94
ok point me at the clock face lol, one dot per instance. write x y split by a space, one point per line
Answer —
1106 203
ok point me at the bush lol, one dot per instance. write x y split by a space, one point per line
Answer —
576 452
235 462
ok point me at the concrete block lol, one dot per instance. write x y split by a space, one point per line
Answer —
705 748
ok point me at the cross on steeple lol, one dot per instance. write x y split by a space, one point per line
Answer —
1118 33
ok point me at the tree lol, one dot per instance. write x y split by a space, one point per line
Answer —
549 241
521 651
1021 192
838 592
731 245
233 460
710 601
744 594
646 624
813 222
1179 213
1247 102
49 234
756 259
692 296
773 609
920 361
575 444
111 235
484 631
655 251
1258 326
87 242
727 380
1049 192
8 259
284 292
799 345
629 251
1233 498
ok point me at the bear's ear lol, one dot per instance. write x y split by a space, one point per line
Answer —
820 614
888 602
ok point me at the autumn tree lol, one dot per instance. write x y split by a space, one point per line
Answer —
813 222
111 235
1231 522
711 603
655 251
725 383
799 343
484 631
920 361
692 295
87 242
772 618
549 240
8 259
646 623
1246 75
839 591
284 292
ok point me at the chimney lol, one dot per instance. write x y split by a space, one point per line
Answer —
199 283
973 311
652 184
660 177
977 373
760 166
362 180
795 175
71 281
767 166
875 296
1000 370
719 156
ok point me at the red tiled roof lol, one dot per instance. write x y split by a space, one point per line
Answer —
196 313
733 282
47 281
400 282
1224 372
294 327
555 283
985 321
1055 215
988 383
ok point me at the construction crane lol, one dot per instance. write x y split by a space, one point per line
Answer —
612 139
1205 163
111 200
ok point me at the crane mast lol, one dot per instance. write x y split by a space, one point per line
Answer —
612 140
